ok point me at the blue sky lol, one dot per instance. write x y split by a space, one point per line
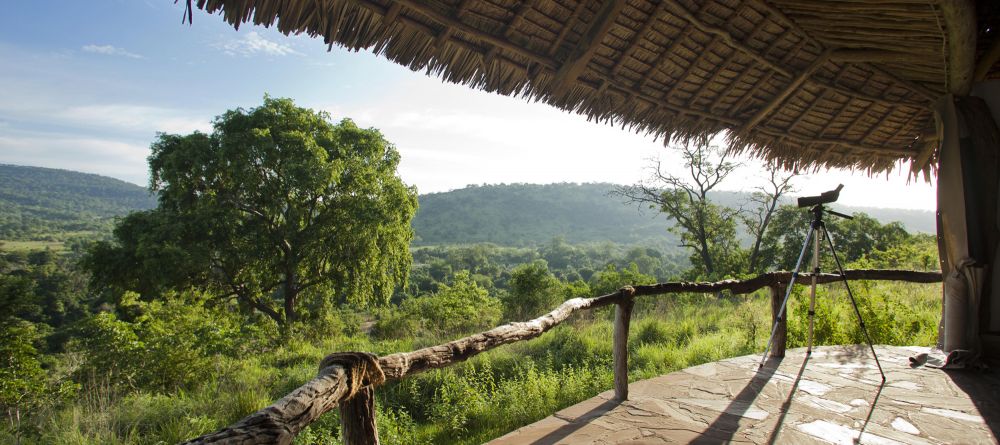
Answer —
86 85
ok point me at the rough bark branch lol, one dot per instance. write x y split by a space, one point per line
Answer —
283 420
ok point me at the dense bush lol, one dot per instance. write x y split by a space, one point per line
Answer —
172 344
461 307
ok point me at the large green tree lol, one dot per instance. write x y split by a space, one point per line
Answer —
276 204
707 229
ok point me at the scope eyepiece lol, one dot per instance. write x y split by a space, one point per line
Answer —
822 198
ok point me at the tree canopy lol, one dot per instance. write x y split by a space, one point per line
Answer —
277 205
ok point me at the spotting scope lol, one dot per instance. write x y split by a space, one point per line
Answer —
822 198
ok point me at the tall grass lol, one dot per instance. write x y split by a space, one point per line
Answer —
498 391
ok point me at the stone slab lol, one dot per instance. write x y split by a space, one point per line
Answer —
830 397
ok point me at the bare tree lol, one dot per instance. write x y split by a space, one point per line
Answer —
763 203
707 229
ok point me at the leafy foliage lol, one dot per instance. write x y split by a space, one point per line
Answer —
276 206
170 344
533 291
706 229
457 308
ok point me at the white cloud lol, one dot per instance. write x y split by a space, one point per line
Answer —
134 118
109 50
87 154
254 44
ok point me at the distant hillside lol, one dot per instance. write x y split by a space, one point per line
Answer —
37 201
914 220
521 214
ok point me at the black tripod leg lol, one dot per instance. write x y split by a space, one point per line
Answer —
854 303
788 293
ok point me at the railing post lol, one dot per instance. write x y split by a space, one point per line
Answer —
623 314
357 418
781 333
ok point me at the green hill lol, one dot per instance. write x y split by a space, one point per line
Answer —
524 214
41 203
47 204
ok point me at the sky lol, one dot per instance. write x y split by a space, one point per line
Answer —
87 85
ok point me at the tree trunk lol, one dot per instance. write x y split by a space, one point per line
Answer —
291 294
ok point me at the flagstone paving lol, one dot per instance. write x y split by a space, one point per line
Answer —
833 396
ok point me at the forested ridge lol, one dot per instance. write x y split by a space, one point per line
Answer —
36 202
532 214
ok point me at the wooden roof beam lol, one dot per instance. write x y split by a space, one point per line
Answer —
725 61
877 149
726 37
585 49
637 38
786 93
663 57
518 16
566 28
808 109
960 31
876 126
460 26
873 56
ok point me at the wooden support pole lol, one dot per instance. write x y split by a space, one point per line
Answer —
960 26
623 314
357 419
781 334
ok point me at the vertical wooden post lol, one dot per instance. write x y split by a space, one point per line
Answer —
781 333
357 418
623 314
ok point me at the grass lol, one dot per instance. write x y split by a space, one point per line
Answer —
495 392
27 246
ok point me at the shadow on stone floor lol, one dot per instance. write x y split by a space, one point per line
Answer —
562 432
728 423
787 403
983 388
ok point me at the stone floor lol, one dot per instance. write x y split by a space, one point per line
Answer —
834 396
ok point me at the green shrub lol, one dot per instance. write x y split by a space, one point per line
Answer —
459 308
651 331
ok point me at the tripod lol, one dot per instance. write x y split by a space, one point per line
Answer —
818 230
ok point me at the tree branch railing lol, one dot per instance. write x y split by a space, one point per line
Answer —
348 380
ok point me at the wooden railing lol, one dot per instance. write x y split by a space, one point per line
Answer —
348 380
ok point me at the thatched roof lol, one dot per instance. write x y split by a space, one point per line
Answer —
845 83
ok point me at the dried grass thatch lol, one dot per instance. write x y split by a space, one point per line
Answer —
806 83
